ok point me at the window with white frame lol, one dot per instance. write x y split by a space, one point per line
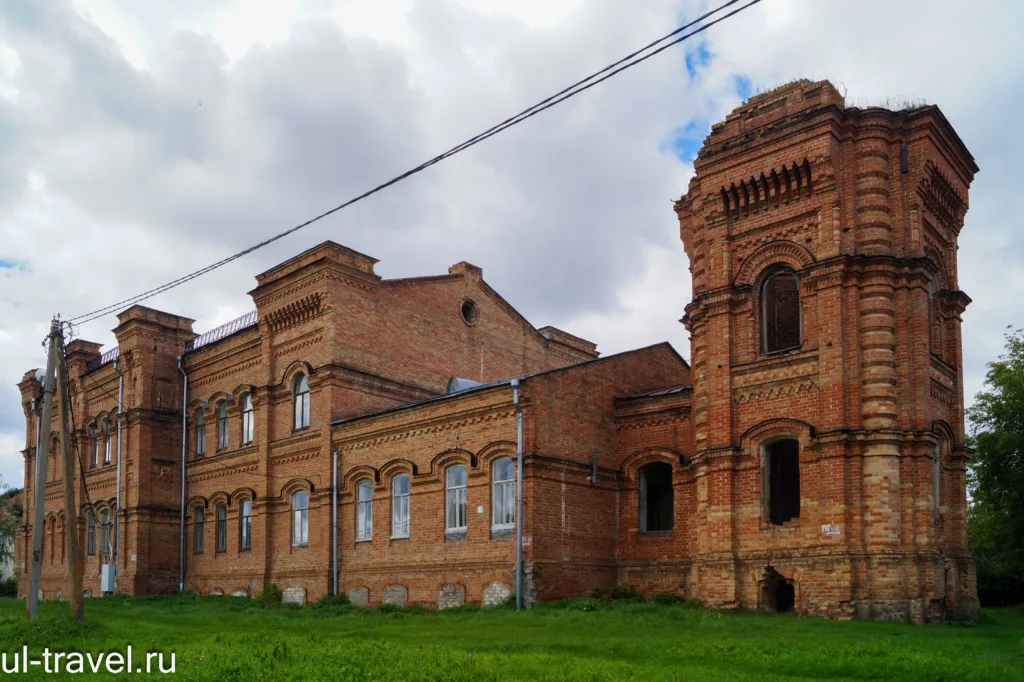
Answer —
364 511
455 507
503 494
199 530
300 393
90 536
400 506
300 519
248 419
200 433
245 525
222 424
107 436
222 528
94 460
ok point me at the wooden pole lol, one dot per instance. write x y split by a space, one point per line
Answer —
42 453
75 568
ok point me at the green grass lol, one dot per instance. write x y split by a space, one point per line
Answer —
229 638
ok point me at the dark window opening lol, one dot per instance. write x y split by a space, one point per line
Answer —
780 312
470 312
783 478
777 593
656 504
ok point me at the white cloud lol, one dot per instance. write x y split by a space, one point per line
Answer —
147 139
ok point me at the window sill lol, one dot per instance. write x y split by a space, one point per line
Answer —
399 537
359 540
302 545
654 533
459 534
502 531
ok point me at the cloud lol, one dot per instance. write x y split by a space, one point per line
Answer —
145 140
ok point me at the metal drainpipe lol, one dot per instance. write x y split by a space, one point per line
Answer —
334 519
117 513
519 493
184 446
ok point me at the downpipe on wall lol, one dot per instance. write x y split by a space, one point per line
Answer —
184 446
519 493
117 514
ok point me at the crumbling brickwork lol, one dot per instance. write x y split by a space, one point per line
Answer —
813 459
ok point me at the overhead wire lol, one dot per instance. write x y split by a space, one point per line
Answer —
580 86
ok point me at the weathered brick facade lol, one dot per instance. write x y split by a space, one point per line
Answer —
634 471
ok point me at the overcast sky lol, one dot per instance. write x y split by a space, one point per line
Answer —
141 140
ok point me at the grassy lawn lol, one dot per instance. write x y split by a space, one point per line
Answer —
235 639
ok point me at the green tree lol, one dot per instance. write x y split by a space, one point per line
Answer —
996 477
10 511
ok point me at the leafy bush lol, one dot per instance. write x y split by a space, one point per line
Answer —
618 593
508 602
575 604
667 599
389 608
9 588
271 596
463 608
327 600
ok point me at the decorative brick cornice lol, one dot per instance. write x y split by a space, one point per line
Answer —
296 312
437 425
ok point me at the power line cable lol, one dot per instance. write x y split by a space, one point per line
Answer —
580 86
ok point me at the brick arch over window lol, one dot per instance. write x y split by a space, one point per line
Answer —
219 396
197 501
296 367
774 429
778 252
942 273
632 464
495 450
294 485
397 466
219 497
443 460
242 493
359 473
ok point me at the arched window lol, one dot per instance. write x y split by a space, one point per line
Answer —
300 397
63 540
503 494
455 507
245 525
94 442
53 538
782 480
400 506
780 312
937 482
300 519
90 534
936 341
364 511
222 528
248 419
222 424
107 440
105 535
198 533
657 506
200 433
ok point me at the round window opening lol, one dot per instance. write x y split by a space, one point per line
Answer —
470 313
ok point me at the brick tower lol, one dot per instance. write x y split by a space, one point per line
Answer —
826 356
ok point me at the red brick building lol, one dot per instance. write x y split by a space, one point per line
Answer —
813 460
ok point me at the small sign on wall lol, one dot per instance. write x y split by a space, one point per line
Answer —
831 529
527 540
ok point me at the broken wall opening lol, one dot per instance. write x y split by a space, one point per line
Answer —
777 592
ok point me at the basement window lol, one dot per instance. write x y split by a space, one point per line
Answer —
782 480
656 504
777 593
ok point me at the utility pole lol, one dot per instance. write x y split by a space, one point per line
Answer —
42 454
75 568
